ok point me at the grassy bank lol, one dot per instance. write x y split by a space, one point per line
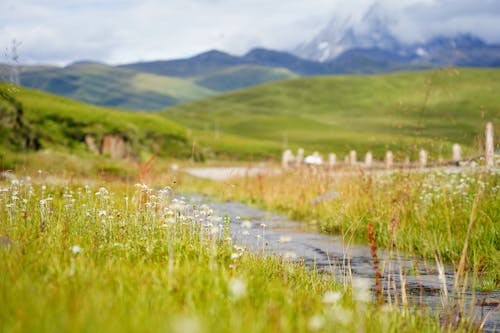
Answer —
423 214
62 124
119 258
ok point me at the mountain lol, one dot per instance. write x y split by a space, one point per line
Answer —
202 64
105 85
210 62
159 84
362 45
367 44
371 31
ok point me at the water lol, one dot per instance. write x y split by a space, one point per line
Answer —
329 253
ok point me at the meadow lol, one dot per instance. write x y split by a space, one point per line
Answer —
85 248
92 256
401 112
422 214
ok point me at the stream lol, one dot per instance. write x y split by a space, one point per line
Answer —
259 230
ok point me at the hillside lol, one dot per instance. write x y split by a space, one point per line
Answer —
401 112
62 124
105 85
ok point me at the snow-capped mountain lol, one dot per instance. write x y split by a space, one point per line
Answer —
370 31
367 43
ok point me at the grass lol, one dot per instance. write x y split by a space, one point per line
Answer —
62 124
117 258
402 112
419 214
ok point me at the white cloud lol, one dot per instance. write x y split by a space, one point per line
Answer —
123 31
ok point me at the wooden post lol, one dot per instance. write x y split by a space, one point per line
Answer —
300 157
389 159
422 161
489 153
368 160
332 159
287 159
352 157
457 153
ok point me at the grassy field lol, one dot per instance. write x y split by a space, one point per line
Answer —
421 214
113 257
402 112
61 124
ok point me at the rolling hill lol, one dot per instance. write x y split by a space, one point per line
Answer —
58 123
105 85
401 112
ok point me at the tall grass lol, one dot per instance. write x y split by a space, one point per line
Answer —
76 257
416 213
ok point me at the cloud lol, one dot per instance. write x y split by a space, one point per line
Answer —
121 31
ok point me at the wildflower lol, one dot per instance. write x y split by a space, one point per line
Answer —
316 322
331 297
237 288
76 249
361 290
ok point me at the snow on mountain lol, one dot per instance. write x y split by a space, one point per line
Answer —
370 31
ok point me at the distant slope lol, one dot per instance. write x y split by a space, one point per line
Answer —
402 112
61 123
243 76
104 85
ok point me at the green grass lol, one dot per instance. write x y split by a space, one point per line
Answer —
417 214
402 112
62 124
111 258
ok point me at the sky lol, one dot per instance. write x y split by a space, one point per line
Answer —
60 32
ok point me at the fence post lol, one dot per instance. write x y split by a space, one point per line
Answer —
332 159
368 160
422 161
457 153
489 153
287 159
389 159
352 157
300 157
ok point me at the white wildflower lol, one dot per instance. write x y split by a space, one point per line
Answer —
331 297
316 322
76 249
237 288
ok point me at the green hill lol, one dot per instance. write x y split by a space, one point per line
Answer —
104 85
243 76
62 124
402 112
